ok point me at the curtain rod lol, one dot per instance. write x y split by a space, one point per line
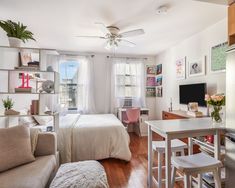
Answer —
144 58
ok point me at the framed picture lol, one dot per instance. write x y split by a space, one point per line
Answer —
218 58
159 92
159 81
181 68
25 58
150 92
197 67
151 81
151 69
159 69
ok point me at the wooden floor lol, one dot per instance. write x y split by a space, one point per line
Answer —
131 174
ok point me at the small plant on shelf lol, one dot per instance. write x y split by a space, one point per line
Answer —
8 103
16 32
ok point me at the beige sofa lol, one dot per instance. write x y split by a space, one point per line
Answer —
37 174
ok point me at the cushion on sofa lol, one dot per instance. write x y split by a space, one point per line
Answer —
15 147
32 175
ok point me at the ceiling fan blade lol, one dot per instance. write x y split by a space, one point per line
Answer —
103 28
132 33
124 42
98 37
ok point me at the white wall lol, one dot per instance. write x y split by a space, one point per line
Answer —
101 95
194 47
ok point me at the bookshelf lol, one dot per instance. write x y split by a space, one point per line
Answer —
11 78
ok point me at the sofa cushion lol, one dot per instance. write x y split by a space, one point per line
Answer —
15 147
35 174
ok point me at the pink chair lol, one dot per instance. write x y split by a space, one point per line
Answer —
132 117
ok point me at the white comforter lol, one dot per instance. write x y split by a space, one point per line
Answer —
92 137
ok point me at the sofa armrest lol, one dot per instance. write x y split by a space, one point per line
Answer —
46 144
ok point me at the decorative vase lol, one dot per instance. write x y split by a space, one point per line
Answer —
14 42
217 115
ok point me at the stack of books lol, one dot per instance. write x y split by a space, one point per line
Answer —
34 107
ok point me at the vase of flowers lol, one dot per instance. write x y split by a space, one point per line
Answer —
217 102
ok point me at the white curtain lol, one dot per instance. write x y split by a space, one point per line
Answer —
86 93
134 68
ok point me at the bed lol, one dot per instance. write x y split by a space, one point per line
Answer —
92 137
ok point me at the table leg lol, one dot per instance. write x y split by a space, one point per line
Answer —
217 148
168 161
150 158
190 152
190 146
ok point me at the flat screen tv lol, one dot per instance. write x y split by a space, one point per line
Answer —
193 93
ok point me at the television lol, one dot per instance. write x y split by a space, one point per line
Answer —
193 93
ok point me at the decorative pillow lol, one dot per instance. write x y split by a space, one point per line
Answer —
15 147
43 120
28 121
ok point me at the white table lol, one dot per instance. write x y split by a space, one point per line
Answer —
184 128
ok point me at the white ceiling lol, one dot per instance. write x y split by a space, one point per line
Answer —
55 23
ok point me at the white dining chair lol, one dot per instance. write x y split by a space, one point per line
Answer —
177 146
196 164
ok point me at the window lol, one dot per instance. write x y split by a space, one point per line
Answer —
68 83
129 82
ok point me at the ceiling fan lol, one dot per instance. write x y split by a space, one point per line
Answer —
114 37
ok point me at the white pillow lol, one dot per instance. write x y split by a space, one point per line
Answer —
43 120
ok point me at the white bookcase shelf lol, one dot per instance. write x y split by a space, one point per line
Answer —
10 59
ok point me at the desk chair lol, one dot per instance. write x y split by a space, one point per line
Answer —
132 117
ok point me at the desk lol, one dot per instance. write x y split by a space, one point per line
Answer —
144 116
172 129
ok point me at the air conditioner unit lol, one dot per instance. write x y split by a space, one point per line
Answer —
221 2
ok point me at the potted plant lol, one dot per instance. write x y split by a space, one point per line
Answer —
8 104
217 101
16 32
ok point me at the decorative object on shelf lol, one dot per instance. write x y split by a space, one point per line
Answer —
8 104
50 69
197 67
171 105
151 69
216 101
218 58
24 88
25 58
16 32
34 107
48 86
150 92
159 91
181 68
159 69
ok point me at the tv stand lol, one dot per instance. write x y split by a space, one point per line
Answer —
177 114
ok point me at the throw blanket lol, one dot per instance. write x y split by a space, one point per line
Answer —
92 137
85 174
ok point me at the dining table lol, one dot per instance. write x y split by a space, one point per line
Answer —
178 129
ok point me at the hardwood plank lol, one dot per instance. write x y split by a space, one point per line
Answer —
132 174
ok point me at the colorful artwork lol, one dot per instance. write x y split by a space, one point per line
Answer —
159 69
218 57
159 91
181 69
159 81
151 69
197 67
151 81
151 92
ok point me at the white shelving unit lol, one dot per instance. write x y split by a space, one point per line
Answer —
9 76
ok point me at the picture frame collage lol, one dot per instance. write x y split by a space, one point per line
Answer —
154 80
216 63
